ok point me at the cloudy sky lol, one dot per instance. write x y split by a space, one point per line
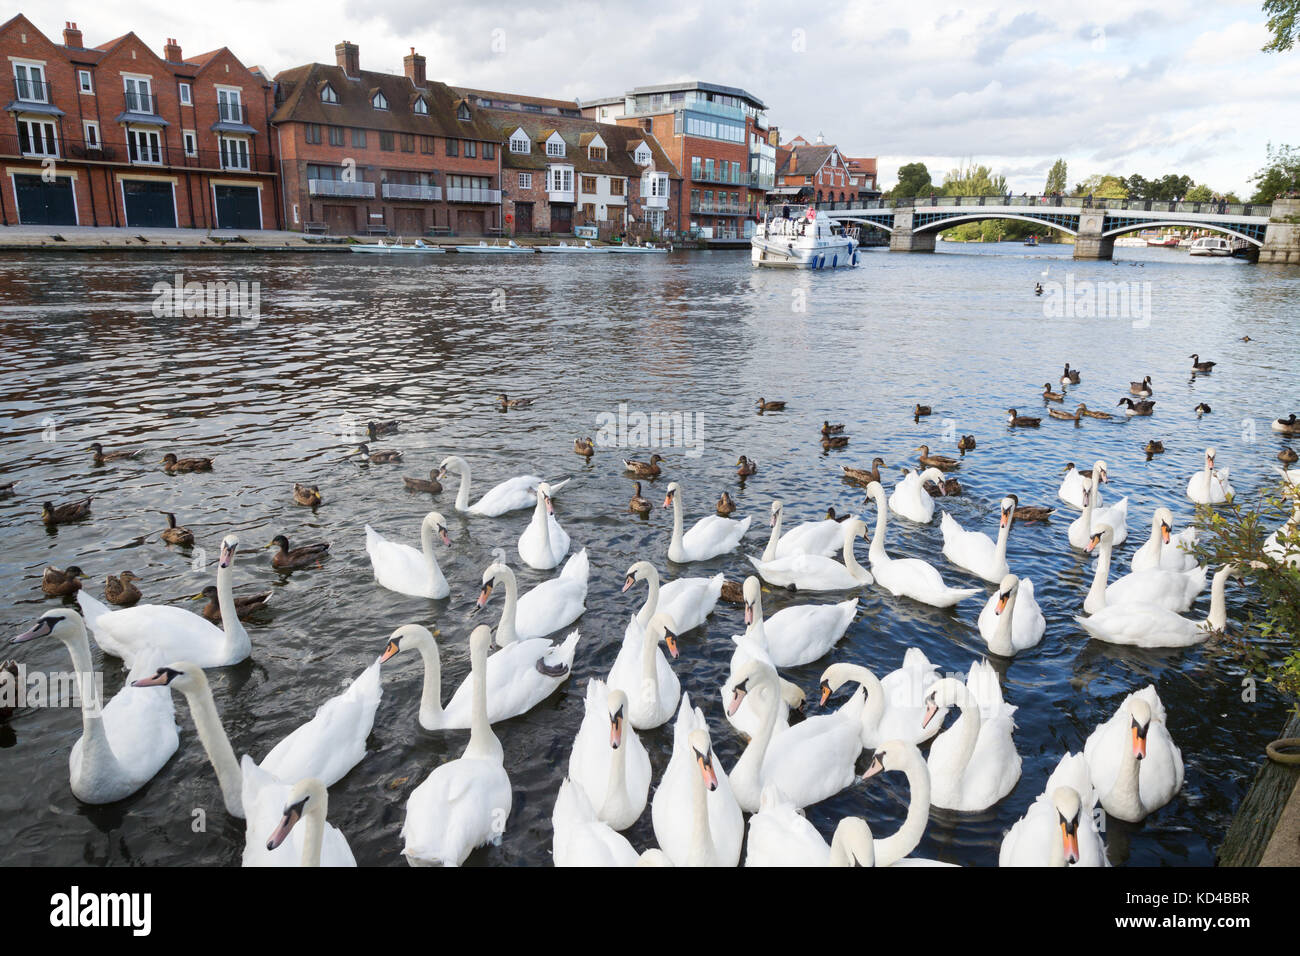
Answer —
1114 87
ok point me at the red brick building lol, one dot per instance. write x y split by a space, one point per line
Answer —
363 152
817 172
117 135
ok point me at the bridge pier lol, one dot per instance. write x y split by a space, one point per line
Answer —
1090 243
903 239
1281 238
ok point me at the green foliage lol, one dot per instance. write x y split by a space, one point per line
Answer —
1101 186
1279 176
1056 179
973 181
913 180
1165 189
1283 23
1199 194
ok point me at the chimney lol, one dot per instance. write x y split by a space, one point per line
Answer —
414 64
348 56
172 51
71 35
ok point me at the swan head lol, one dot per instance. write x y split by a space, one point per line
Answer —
1163 522
1099 473
673 490
63 623
306 796
755 674
1104 535
1209 457
702 752
1009 586
837 675
544 494
891 755
932 474
753 593
1139 724
452 463
875 492
229 545
480 639
947 692
405 637
494 572
853 838
1068 810
436 523
855 528
186 676
662 628
641 571
1009 505
617 702
777 507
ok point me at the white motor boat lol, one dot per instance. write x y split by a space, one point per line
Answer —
811 241
565 247
1211 246
648 249
396 248
509 248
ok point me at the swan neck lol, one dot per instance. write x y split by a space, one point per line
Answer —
217 746
95 748
650 671
877 547
314 821
462 493
702 850
675 545
898 845
237 644
431 692
967 728
506 626
769 553
436 580
1218 618
749 768
1100 578
651 599
1001 642
482 741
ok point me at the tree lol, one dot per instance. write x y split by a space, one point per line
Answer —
1199 194
1280 176
1056 179
1282 23
913 180
1165 189
1102 186
974 181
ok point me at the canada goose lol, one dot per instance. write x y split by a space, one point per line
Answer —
1287 456
59 583
1064 415
377 429
746 467
829 429
1202 409
644 469
1086 411
101 456
378 456
1142 389
862 475
505 402
966 443
942 462
1154 448
1287 426
1051 396
1070 376
920 410
638 504
61 514
119 590
765 406
308 495
726 505
832 516
1038 288
173 534
177 466
1021 421
244 606
1137 408
834 441
432 485
1032 513
584 447
301 557
1199 366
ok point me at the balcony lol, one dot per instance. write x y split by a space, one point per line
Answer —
411 191
141 105
119 153
561 195
654 202
31 91
232 112
340 188
721 209
472 194
715 109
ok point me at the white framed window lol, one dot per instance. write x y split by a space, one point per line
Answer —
85 83
379 101
144 146
234 152
328 95
420 108
139 94
186 95
555 146
37 137
520 143
29 82
191 142
525 180
559 179
90 130
229 105
642 155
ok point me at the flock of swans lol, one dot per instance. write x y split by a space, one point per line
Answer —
1129 766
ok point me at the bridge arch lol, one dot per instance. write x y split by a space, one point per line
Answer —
949 222
862 221
1182 224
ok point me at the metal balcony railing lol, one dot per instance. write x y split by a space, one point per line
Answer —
31 91
472 194
357 189
232 112
145 103
412 191
168 155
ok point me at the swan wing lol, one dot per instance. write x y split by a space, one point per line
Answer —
462 804
141 725
689 601
513 494
398 567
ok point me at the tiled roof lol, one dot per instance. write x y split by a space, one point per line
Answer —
620 142
509 100
806 160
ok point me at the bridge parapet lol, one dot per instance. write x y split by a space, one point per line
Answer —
1282 237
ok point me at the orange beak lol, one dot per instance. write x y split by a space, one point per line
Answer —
931 708
1006 517
737 696
615 732
1139 744
826 694
875 768
1002 603
706 768
671 640
668 501
390 650
1164 533
1092 543
1070 841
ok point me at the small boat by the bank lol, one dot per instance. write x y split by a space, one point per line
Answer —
648 249
1211 246
509 248
565 247
1165 241
812 241
1031 241
396 248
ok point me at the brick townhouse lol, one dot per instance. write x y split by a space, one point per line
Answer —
116 135
364 151
819 172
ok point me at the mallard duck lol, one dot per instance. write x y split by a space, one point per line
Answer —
244 606
377 429
306 495
431 485
1153 448
58 583
1070 376
1246 338
832 516
829 429
639 505
62 514
176 466
1202 409
1064 415
7 489
100 456
834 441
1287 456
8 689
1031 512
1016 420
301 557
765 406
505 402
378 456
1051 396
173 534
1199 366
1137 408
733 592
1089 413
584 447
942 462
966 443
861 475
1142 389
746 467
948 488
726 505
119 590
643 469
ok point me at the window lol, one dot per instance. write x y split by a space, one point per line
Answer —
191 142
616 187
37 138
358 138
462 113
555 147
144 146
469 182
185 94
84 83
407 143
234 152
589 210
139 95
29 78
386 141
379 101
420 108
426 145
315 171
91 131
471 149
519 143
596 154
230 106
453 148
327 94
336 135
559 179
642 155
311 133
525 180
489 150
588 184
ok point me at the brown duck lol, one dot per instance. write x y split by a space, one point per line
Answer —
1154 448
726 505
1016 420
377 429
861 475
834 441
62 514
119 590
307 495
829 429
733 592
432 485
1064 415
173 534
287 559
177 466
505 402
378 456
920 410
1032 513
100 456
57 583
644 469
639 505
1051 396
765 406
966 443
746 467
942 462
1287 456
948 488
832 516
584 447
244 606
1089 413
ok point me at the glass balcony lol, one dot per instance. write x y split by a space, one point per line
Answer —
412 191
340 188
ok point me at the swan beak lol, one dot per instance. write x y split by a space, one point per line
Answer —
737 695
291 816
446 538
390 651
1092 543
442 473
671 640
629 581
1002 602
1006 519
1139 743
706 768
749 614
162 678
1070 840
42 628
1164 532
826 694
931 708
227 556
483 595
875 768
668 500
616 730
550 508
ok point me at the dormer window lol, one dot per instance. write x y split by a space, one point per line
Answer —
596 154
642 156
462 112
520 143
420 108
555 146
379 101
327 94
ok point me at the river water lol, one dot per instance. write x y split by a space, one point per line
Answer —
348 338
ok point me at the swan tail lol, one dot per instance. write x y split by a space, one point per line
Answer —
577 569
983 683
557 485
561 656
91 609
948 527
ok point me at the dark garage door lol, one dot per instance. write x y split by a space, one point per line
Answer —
238 207
45 204
149 204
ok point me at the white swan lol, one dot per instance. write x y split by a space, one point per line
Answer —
608 762
513 494
308 801
642 673
686 828
812 572
1073 485
1280 545
400 568
780 835
1012 621
709 537
1210 486
544 543
975 551
1173 590
798 635
904 698
1289 476
1135 766
546 608
1081 528
1059 828
687 601
463 803
1140 624
811 537
810 761
123 743
520 676
580 838
899 755
910 500
175 632
747 719
974 763
1164 549
907 577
